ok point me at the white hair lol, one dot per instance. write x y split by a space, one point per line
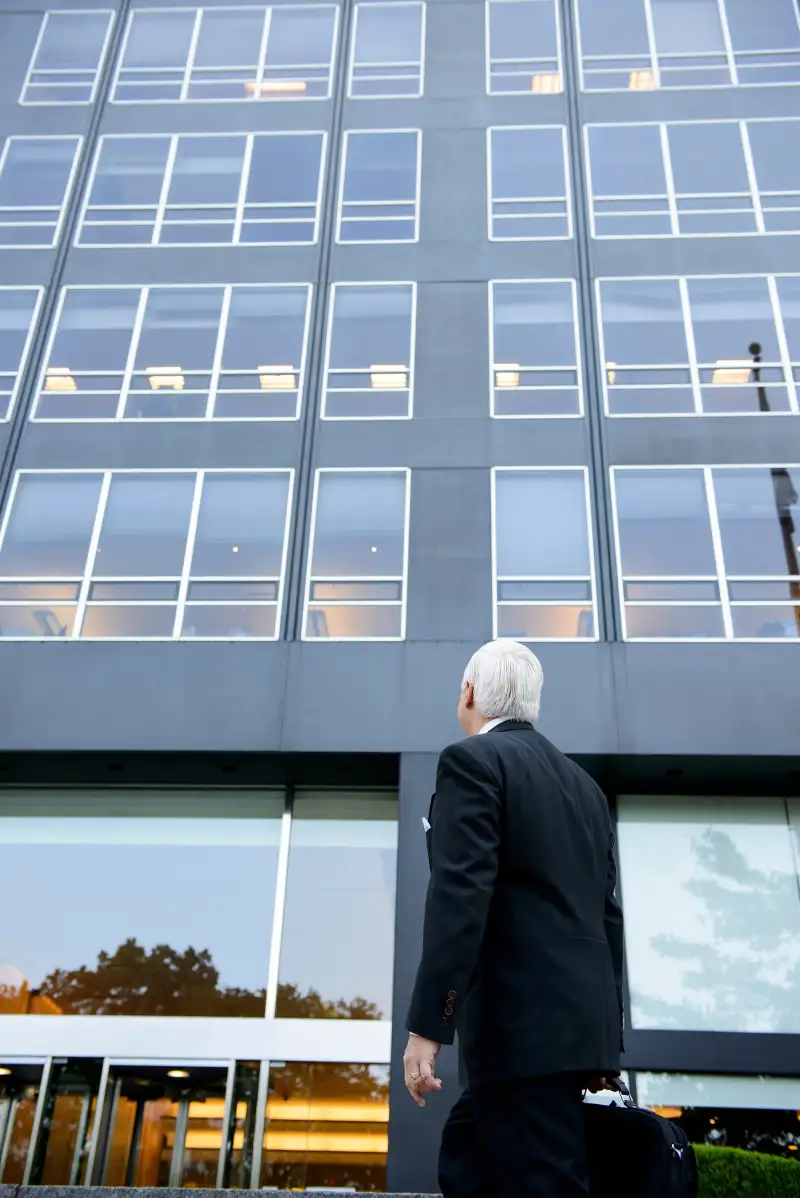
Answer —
507 680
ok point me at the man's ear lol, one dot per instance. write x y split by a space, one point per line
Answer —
469 694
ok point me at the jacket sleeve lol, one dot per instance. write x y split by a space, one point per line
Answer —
464 862
614 930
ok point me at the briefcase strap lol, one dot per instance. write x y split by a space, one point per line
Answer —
627 1098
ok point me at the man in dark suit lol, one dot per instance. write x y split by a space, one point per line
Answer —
522 944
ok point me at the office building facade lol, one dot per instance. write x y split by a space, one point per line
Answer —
337 338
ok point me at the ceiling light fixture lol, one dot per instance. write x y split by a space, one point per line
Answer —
506 374
276 378
731 372
169 377
58 378
388 378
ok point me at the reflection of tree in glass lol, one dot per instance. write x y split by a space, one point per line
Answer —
745 974
134 980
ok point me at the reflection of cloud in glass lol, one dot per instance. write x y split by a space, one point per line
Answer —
712 912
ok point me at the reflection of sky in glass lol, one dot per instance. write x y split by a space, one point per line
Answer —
338 935
712 914
85 885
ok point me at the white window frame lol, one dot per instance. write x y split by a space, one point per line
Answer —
215 371
342 206
496 577
326 378
71 12
722 578
310 578
493 366
353 66
692 364
735 60
567 188
16 376
85 581
177 1039
492 62
755 194
266 10
166 182
62 210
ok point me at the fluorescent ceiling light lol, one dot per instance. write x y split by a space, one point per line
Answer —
169 377
641 81
732 371
58 378
388 378
271 86
276 378
506 374
546 84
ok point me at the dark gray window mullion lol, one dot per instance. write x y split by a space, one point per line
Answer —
26 391
609 621
304 481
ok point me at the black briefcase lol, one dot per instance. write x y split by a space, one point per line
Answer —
636 1152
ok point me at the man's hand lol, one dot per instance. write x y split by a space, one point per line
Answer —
419 1063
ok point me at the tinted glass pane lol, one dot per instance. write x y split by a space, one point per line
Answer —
712 913
772 25
130 170
729 316
759 516
119 948
708 158
527 163
339 897
626 160
312 1114
303 35
687 25
145 525
229 39
72 41
159 39
533 324
522 30
17 306
265 327
789 298
541 523
20 1083
207 170
50 525
360 524
371 327
663 522
241 525
642 323
94 330
285 170
179 330
776 156
388 33
36 171
380 166
613 28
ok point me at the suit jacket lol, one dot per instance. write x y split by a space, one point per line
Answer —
523 940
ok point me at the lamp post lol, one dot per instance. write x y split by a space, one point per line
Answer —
785 497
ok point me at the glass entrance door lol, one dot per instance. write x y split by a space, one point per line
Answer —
19 1095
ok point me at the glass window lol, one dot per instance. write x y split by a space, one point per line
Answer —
67 58
696 345
528 197
668 565
523 47
280 53
327 1127
145 555
534 349
709 553
176 353
544 584
370 354
752 1113
388 51
35 179
712 913
689 43
379 197
627 181
195 189
695 178
342 875
62 1147
118 948
18 309
355 589
20 1084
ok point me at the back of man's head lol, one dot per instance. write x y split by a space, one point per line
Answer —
507 681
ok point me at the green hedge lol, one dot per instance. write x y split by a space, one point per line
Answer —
734 1173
